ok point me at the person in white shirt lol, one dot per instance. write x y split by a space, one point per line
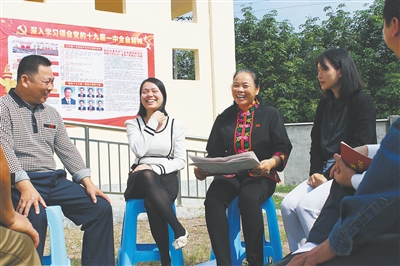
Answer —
158 142
347 178
346 113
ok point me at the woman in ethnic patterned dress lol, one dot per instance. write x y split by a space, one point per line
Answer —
247 125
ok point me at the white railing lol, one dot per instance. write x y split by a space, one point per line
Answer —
106 152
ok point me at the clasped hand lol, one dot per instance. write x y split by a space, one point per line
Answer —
341 172
160 117
141 167
316 180
264 168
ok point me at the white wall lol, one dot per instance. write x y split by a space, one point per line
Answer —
195 102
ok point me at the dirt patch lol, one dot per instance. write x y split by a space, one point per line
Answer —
197 250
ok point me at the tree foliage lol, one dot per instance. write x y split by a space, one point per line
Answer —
285 59
183 64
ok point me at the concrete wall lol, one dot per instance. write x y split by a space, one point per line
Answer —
298 165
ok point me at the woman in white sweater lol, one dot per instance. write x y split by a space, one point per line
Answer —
158 142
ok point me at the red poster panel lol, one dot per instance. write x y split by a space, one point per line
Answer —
100 70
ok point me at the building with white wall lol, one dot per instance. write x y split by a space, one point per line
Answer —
210 36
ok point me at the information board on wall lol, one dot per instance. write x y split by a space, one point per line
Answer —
97 71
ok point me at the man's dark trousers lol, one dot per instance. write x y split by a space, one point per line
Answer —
96 218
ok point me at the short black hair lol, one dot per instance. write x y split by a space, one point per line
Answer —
29 65
391 10
67 88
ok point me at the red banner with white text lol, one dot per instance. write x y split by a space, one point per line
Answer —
97 71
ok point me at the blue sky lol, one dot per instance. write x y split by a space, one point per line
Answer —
296 11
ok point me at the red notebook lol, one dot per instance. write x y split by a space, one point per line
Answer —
354 159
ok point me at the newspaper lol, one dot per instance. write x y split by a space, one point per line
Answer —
226 165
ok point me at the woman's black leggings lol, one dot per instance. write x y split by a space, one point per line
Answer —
252 193
158 192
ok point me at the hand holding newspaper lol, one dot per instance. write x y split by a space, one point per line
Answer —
226 165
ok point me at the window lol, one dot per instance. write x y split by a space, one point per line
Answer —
184 11
116 6
184 64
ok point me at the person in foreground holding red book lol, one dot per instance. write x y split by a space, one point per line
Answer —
18 239
346 175
367 231
247 125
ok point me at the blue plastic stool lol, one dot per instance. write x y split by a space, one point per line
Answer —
58 251
272 248
129 252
